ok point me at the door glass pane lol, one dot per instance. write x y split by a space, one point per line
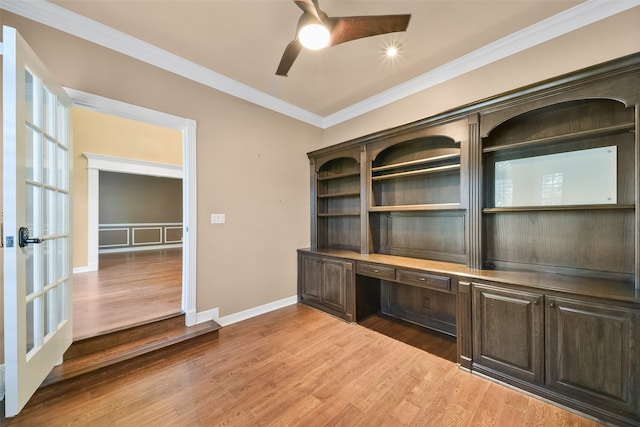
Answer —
29 194
62 258
62 222
31 341
63 168
35 324
63 125
30 273
31 146
63 310
49 154
49 108
49 212
50 318
33 204
32 101
48 261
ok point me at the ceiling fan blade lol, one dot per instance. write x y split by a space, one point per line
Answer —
290 54
356 27
309 6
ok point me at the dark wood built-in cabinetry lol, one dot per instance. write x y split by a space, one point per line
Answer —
512 224
516 317
592 353
327 283
569 349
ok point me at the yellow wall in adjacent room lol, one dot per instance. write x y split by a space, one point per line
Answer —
99 133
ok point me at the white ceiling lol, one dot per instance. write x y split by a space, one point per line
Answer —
236 45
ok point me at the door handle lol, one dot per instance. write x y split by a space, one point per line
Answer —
24 239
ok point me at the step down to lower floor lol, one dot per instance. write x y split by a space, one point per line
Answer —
95 353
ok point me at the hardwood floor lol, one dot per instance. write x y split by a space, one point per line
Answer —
292 367
129 288
433 342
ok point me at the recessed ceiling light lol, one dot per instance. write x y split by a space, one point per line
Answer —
392 50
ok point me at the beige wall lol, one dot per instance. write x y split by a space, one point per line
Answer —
99 133
251 163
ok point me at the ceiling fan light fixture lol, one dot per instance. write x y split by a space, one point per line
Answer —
316 30
314 36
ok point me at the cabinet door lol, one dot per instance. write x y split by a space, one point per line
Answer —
334 284
592 353
507 332
311 284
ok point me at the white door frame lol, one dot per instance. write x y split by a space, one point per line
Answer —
188 128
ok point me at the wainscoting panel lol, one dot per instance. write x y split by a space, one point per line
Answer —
124 237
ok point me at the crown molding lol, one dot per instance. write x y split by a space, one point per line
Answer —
70 22
80 26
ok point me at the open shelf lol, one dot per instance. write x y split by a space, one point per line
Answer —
565 238
417 172
338 176
416 207
555 208
337 215
417 162
424 207
344 194
591 133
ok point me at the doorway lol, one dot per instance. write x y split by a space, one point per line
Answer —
99 163
139 277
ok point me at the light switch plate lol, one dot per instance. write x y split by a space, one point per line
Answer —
217 218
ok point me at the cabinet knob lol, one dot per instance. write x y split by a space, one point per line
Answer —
552 305
422 279
536 301
375 270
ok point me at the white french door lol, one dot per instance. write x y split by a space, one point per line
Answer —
36 203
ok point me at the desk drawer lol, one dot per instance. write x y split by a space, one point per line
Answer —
376 270
424 280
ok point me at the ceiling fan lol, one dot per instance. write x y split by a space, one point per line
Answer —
317 30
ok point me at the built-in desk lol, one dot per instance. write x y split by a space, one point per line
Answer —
419 296
570 339
547 282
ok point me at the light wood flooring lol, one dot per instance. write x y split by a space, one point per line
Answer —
292 367
129 288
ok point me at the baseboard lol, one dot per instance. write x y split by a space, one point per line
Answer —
1 382
205 316
84 269
256 311
190 317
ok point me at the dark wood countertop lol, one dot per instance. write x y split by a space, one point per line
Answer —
548 282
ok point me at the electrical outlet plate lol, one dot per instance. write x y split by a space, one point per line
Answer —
217 218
